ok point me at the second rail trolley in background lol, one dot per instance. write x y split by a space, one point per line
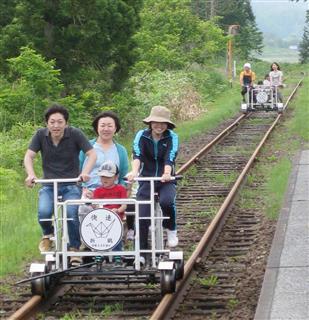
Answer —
262 97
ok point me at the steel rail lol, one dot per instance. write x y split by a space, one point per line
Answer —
202 152
27 309
168 300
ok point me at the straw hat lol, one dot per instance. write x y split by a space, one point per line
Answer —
160 114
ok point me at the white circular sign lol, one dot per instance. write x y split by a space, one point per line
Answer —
262 97
101 229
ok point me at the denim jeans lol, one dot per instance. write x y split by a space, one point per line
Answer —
46 209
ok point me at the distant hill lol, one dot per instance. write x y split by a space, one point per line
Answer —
282 19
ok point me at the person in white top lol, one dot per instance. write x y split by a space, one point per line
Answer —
266 81
276 78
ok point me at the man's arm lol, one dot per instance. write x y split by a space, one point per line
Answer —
28 163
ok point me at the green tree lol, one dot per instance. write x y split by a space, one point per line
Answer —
171 37
35 83
304 44
234 12
78 34
250 39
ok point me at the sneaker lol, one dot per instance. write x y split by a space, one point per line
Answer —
77 260
130 235
172 239
45 244
142 261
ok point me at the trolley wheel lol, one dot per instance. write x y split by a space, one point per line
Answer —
168 281
39 286
180 269
50 266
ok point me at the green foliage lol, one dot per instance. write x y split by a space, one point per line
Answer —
110 309
7 177
276 186
79 116
35 85
182 91
232 304
13 145
249 41
35 82
304 44
40 75
210 281
233 12
171 37
17 219
299 125
77 34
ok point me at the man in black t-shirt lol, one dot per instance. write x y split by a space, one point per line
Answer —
59 145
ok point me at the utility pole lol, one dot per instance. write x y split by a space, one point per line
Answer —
233 30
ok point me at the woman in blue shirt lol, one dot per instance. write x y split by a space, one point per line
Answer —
106 125
154 153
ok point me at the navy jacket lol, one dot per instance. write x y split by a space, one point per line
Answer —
154 155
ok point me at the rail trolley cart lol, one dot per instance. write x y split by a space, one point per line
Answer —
101 230
262 97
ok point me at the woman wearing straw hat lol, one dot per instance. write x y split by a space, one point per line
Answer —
154 153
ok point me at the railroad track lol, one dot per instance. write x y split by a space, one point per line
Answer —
209 179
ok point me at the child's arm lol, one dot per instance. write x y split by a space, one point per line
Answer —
123 195
121 209
95 195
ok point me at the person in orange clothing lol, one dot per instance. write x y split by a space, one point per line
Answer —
246 78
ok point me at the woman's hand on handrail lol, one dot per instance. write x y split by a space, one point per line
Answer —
166 177
131 176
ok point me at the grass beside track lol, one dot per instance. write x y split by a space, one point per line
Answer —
275 162
20 231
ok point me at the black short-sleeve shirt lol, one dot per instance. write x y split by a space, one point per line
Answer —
61 161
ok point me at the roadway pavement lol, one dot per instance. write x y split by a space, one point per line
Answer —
285 290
